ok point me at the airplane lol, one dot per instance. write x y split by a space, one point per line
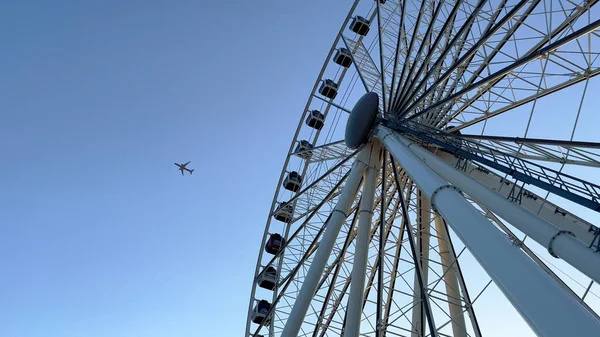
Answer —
182 168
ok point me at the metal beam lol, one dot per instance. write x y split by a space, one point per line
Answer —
361 252
558 242
338 216
448 263
548 309
536 204
518 63
543 141
561 184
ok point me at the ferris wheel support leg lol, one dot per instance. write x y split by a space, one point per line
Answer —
547 308
560 243
337 218
359 267
422 249
450 279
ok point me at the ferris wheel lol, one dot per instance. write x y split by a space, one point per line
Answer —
442 180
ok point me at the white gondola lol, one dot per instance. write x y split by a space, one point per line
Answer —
360 25
315 119
293 181
284 212
343 57
303 149
329 89
268 278
260 311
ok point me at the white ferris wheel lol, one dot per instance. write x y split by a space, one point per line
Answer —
446 157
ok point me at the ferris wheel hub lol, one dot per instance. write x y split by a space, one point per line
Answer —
361 120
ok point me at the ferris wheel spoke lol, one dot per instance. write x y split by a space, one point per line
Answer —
462 64
401 185
456 45
571 79
365 66
420 303
377 268
407 64
389 30
302 264
324 152
509 36
518 74
399 39
441 50
314 188
419 40
286 280
549 150
381 253
302 227
421 294
381 57
426 42
330 102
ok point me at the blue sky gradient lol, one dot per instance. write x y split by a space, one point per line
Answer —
101 235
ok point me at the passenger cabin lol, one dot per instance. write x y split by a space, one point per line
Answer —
268 278
343 57
274 243
360 25
329 89
303 149
284 212
293 181
315 119
259 313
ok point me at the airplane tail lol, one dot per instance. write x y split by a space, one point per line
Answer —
191 171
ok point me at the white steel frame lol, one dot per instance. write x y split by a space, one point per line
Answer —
327 268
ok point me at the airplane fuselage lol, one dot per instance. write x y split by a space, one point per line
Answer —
182 168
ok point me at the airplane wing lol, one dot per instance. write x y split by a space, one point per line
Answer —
187 163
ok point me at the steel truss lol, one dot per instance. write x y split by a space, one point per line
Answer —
564 185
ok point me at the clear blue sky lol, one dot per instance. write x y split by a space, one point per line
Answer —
101 235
